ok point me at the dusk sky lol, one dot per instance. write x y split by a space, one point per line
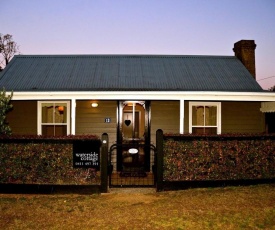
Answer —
180 27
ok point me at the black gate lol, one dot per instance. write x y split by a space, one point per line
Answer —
132 165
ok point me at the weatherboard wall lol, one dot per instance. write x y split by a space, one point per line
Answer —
236 117
91 120
242 117
22 118
165 116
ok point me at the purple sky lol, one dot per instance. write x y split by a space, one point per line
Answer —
185 27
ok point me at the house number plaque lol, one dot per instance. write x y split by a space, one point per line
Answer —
107 120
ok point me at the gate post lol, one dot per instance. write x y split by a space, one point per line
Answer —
104 163
159 170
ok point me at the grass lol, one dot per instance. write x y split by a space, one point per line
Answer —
251 207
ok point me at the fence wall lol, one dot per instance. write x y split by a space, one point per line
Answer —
181 161
189 159
48 163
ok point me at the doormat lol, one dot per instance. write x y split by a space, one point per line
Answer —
133 174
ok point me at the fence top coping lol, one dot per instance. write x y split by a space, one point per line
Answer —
44 139
222 137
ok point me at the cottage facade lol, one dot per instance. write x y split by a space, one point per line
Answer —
131 96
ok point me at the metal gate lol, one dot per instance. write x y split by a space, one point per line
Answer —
132 165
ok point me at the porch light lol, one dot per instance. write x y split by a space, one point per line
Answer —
131 104
94 104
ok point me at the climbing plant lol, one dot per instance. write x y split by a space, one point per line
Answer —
5 106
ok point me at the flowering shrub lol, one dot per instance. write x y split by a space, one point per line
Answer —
218 158
42 161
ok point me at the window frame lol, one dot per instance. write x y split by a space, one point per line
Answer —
39 116
202 103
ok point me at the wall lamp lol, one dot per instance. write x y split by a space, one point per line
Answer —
94 104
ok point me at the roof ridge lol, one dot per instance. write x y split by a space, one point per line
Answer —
121 56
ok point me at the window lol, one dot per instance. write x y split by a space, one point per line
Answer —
53 118
205 117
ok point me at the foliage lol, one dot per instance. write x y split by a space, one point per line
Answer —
272 89
219 159
43 162
8 47
5 106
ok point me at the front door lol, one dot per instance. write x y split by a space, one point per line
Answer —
133 136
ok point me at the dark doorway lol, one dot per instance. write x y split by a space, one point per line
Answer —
270 122
133 137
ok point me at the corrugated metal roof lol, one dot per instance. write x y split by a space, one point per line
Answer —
127 73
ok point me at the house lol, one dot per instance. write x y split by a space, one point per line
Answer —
131 96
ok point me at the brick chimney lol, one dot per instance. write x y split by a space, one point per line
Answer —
245 51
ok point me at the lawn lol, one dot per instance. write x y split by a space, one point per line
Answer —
251 207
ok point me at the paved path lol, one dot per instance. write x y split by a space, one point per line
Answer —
133 190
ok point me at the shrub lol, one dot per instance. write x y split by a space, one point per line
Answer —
219 158
5 106
42 161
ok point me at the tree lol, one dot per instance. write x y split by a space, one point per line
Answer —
8 48
5 106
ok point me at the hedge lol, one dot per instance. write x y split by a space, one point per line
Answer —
218 158
36 160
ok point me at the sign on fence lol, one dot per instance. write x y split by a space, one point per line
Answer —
86 154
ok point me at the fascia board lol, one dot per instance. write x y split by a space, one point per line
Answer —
142 95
